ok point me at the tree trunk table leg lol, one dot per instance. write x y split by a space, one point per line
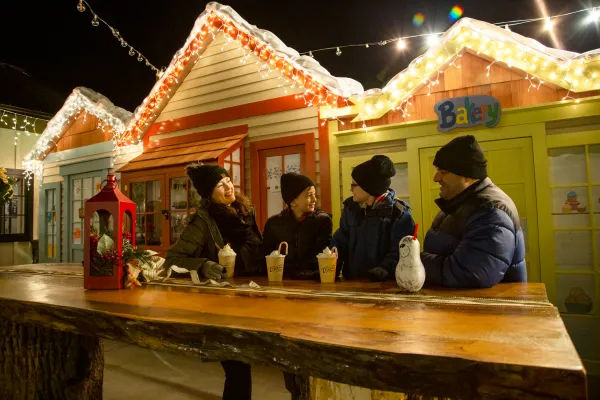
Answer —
40 363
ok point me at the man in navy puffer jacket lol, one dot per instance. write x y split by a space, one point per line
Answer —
476 240
373 222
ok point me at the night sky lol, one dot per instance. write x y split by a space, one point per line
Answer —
59 48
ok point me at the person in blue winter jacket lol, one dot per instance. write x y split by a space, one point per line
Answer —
373 222
476 240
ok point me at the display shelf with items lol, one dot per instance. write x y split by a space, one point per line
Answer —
574 195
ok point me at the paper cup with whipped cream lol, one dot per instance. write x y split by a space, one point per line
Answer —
327 264
227 260
275 262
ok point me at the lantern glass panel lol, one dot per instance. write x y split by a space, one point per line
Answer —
102 247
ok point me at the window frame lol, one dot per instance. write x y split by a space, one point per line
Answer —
28 191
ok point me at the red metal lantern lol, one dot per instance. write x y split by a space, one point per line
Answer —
111 213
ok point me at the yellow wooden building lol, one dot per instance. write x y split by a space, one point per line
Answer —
541 154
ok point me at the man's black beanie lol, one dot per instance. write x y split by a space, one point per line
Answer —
462 156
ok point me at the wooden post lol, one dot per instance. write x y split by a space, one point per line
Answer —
40 363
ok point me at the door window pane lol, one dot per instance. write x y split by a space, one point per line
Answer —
595 163
236 178
153 197
87 188
139 196
154 229
97 184
292 163
570 208
595 206
573 249
76 189
273 169
51 222
177 225
77 233
567 165
76 206
179 193
235 156
140 231
400 182
194 196
51 250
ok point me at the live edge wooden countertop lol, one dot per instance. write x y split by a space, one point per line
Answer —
500 343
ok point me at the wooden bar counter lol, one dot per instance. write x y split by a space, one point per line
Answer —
507 342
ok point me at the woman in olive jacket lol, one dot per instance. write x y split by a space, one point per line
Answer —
224 216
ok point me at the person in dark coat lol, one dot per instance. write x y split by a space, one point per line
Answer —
223 216
306 229
373 222
476 240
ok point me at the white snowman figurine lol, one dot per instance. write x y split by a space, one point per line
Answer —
410 273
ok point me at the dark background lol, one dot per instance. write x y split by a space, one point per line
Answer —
49 47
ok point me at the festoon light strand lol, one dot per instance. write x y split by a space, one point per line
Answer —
83 5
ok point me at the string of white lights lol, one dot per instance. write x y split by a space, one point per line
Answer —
26 124
96 20
594 15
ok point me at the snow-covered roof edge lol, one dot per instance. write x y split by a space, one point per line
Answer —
81 99
541 64
304 70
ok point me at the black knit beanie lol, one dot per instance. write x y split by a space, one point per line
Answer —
462 156
374 176
292 184
205 177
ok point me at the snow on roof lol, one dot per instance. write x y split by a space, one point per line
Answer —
344 87
81 99
541 64
302 70
557 66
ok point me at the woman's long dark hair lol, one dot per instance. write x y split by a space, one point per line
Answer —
242 206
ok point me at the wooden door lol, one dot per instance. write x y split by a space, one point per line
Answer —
510 167
148 192
273 163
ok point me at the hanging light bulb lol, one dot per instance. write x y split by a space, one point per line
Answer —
95 21
131 51
338 52
311 54
594 15
548 24
367 45
115 32
140 58
401 44
80 6
123 43
507 28
432 40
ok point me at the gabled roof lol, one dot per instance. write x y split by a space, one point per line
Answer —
572 71
80 100
321 87
569 70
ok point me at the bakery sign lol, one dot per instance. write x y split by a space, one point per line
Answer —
468 111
